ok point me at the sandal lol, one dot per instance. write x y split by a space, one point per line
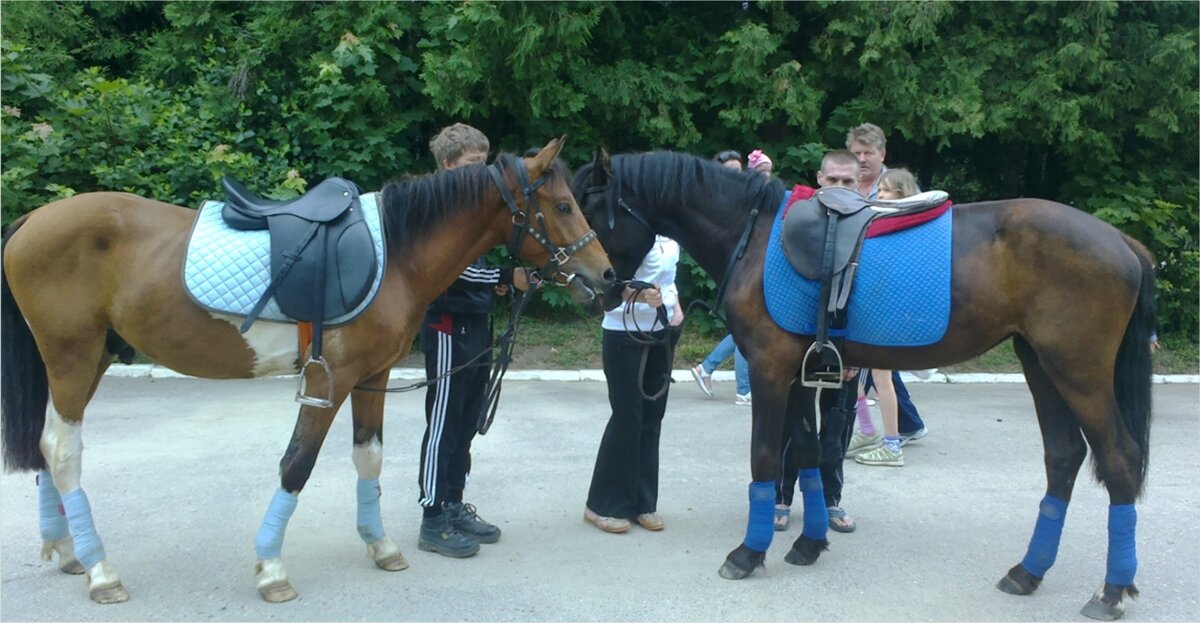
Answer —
839 521
782 515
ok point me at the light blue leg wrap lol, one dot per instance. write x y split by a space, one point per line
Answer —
370 525
88 548
269 542
1122 549
816 516
52 519
1043 547
760 528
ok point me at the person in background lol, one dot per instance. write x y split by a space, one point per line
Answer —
838 168
702 372
625 478
760 162
869 145
868 446
455 330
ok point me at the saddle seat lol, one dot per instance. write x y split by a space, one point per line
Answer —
326 201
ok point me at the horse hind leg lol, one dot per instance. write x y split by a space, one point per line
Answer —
1065 451
1119 458
73 379
368 462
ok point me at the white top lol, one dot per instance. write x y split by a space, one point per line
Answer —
658 268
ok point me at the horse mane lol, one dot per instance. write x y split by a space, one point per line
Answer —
412 207
668 177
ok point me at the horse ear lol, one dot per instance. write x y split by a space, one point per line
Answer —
601 166
545 158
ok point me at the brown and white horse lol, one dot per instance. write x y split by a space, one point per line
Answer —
96 273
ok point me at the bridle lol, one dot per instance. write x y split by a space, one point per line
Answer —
522 224
551 272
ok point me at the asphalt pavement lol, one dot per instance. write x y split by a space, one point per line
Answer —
179 473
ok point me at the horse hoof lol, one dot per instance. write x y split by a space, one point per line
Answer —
109 594
805 551
1108 604
730 571
386 555
278 593
72 567
392 563
65 548
1018 581
1097 609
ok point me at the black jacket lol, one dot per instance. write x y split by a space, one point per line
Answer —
472 292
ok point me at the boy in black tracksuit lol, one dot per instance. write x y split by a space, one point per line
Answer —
455 330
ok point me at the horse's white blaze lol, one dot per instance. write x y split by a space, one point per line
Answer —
62 445
274 345
368 459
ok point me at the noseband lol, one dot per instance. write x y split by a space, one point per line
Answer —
522 224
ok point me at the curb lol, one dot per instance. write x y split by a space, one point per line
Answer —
680 376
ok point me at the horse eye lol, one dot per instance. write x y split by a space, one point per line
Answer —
564 207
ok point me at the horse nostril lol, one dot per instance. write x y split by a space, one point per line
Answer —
610 276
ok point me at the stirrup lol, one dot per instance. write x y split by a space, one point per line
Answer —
829 378
315 401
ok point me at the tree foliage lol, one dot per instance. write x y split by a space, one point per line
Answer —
1094 104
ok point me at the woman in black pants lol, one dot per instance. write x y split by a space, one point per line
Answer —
625 478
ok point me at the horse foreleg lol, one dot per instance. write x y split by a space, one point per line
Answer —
801 424
62 445
368 461
1065 452
770 401
311 427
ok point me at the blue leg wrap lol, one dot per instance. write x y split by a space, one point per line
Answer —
816 516
269 542
760 528
52 520
1122 549
88 548
370 524
1043 547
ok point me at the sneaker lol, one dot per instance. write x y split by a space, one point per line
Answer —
703 379
860 443
923 374
882 455
920 433
440 536
467 521
742 400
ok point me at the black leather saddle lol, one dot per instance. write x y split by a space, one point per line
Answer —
318 238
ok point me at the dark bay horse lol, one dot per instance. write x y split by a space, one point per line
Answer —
88 276
1075 295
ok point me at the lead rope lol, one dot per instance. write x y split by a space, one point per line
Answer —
647 340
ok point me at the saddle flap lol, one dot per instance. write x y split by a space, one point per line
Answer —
804 229
343 252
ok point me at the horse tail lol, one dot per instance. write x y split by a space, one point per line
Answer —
1135 367
24 391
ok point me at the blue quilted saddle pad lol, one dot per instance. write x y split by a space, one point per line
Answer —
227 270
900 297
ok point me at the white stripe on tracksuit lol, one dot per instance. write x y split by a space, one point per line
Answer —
437 419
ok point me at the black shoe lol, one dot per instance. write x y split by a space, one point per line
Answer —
466 520
439 535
